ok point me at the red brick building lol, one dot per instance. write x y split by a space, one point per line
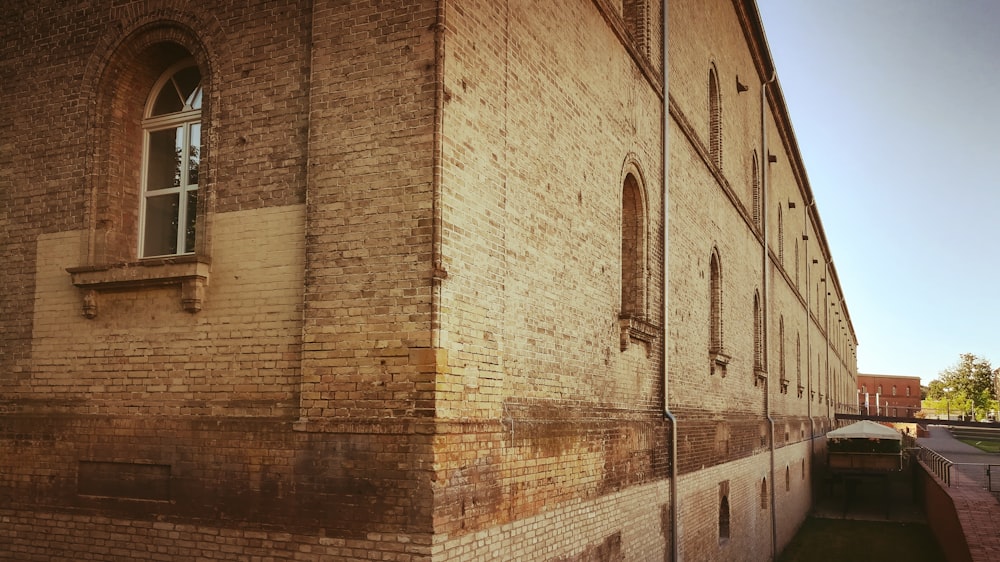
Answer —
888 395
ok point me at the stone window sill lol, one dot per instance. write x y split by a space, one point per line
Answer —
190 272
718 361
638 329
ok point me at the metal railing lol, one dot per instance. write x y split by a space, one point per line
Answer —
951 473
937 464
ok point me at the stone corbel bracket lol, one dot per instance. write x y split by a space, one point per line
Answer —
190 272
637 329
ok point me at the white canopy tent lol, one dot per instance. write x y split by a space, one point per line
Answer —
864 429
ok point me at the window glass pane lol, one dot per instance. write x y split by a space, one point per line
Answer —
167 101
192 213
164 159
194 155
195 99
161 225
187 80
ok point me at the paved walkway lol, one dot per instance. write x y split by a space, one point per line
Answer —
978 510
969 462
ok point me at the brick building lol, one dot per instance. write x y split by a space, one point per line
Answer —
318 280
888 395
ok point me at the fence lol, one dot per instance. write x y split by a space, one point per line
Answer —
951 473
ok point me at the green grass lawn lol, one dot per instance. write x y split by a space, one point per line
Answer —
839 540
986 445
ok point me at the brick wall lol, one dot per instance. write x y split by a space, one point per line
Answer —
542 411
410 341
44 537
899 395
198 413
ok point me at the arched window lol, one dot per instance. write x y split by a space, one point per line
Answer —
758 328
633 244
724 519
907 390
714 118
798 362
781 350
781 238
796 264
788 479
893 390
755 186
171 160
763 493
715 288
635 13
819 378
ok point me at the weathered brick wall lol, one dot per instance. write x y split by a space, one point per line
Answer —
194 412
724 422
410 345
623 525
542 411
236 472
369 271
69 53
60 536
143 354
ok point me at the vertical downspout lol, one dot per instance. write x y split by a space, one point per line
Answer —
812 426
674 539
826 315
764 298
438 273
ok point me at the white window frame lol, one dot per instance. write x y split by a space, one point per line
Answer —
185 119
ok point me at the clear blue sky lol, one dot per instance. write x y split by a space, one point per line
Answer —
896 108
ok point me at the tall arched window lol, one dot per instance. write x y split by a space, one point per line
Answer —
796 264
635 13
758 328
714 117
755 187
798 363
819 378
781 238
715 288
633 229
171 160
781 352
763 493
724 519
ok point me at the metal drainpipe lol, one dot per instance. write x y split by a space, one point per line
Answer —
812 425
764 299
674 538
438 273
826 314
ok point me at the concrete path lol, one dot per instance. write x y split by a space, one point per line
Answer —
969 462
978 511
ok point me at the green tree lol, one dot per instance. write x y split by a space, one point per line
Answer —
969 385
936 390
